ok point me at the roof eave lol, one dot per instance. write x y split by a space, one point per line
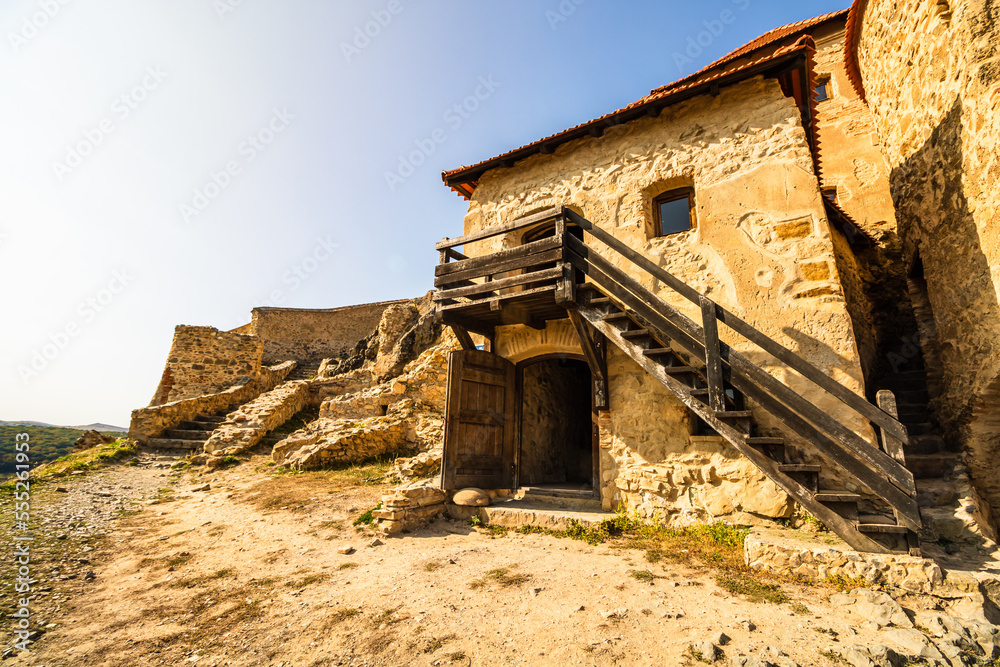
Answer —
797 56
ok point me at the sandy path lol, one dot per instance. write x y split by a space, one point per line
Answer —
249 573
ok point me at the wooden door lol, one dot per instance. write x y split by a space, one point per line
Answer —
480 426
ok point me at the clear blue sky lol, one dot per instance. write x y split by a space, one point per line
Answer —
181 161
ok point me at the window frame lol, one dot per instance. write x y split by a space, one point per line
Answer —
674 194
826 83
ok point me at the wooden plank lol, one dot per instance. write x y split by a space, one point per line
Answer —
635 257
454 254
783 354
481 417
502 297
845 529
463 337
623 287
713 359
893 446
495 285
833 451
585 342
490 232
517 263
486 261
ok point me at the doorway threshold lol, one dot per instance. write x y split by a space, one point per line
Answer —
518 512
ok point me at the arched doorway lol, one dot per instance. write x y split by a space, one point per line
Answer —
558 442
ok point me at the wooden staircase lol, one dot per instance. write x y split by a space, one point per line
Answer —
837 508
580 275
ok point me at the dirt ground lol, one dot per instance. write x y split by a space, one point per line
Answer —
251 572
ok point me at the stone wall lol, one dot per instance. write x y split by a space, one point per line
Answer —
931 76
151 422
296 333
761 247
247 425
204 360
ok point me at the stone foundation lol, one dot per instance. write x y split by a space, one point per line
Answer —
410 506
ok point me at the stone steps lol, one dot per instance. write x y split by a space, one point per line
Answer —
560 498
172 444
517 513
305 370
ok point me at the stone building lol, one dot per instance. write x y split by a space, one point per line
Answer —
930 73
688 307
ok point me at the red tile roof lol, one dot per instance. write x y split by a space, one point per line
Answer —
854 21
767 39
465 179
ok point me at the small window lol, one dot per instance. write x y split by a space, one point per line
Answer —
831 193
673 211
823 90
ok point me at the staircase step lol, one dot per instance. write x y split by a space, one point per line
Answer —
762 442
599 301
881 528
678 370
918 428
636 333
658 352
186 434
799 468
837 497
931 466
170 443
615 317
919 396
925 444
735 414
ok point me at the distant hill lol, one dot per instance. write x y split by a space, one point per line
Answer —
47 442
103 428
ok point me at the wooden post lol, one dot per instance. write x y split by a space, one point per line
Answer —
463 337
894 447
713 357
595 359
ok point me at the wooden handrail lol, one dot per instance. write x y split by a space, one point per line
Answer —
536 219
783 354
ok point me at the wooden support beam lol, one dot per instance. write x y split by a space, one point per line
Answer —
463 337
713 356
595 359
894 447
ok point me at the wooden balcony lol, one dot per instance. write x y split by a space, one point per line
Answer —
528 284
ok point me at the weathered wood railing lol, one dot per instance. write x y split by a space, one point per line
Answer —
883 472
534 267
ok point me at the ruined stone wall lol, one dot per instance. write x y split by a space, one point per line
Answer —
932 78
297 333
204 360
761 247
